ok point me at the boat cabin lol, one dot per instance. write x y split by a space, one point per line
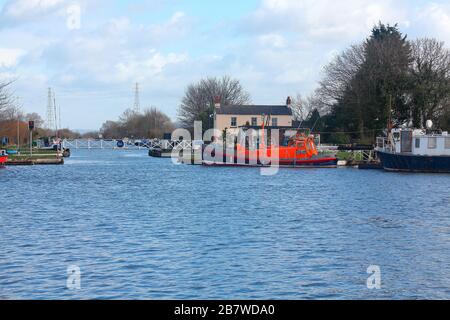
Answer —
416 142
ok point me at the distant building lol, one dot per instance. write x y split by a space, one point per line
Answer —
232 117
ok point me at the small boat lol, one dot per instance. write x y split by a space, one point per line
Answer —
157 152
297 151
3 157
415 150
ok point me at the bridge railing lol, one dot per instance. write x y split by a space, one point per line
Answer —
124 144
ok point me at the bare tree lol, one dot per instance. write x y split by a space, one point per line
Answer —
430 96
198 101
38 121
339 75
8 108
301 107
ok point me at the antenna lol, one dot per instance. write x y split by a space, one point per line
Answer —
50 121
137 103
59 116
56 115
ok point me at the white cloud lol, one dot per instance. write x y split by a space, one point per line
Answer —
437 17
10 57
272 40
158 61
19 9
328 19
177 25
141 69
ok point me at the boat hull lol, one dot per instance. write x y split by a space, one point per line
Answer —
414 163
3 160
288 163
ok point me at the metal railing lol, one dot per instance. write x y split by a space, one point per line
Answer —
123 144
383 144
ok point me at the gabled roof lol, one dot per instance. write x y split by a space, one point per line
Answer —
255 110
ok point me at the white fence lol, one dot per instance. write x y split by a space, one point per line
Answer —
124 144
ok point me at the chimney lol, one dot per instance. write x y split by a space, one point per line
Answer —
217 102
288 101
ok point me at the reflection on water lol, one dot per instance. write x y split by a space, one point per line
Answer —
140 228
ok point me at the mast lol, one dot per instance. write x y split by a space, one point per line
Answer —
56 115
389 125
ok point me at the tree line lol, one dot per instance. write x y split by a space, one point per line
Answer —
385 79
151 123
14 121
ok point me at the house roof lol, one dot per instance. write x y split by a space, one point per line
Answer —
255 110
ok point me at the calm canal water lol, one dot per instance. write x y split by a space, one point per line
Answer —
143 228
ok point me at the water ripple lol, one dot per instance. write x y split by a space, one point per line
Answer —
143 228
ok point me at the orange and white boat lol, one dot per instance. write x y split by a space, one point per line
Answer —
298 151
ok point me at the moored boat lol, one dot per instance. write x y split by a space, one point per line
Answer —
3 157
299 151
415 150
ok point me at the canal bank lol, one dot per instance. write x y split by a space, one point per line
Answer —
38 157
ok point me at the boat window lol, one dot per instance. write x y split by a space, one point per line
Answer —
432 143
254 122
418 143
233 121
447 142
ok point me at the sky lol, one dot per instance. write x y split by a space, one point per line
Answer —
92 52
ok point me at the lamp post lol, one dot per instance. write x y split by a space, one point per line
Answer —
31 128
18 135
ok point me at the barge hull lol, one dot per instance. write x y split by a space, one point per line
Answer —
414 163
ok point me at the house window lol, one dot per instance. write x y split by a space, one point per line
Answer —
432 143
417 143
447 142
254 122
233 121
274 122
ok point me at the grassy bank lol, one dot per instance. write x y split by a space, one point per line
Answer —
38 154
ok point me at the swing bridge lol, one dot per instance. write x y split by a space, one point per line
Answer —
122 144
